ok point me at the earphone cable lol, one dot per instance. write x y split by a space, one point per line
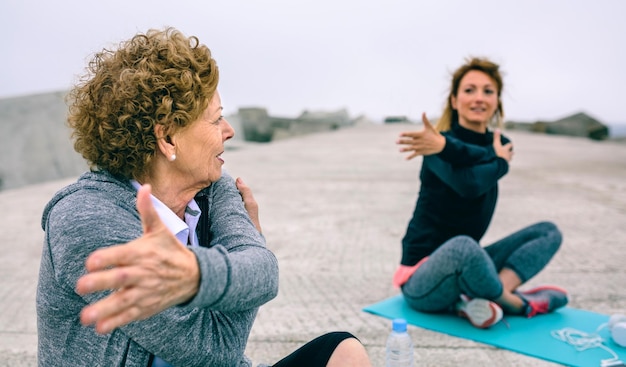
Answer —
583 341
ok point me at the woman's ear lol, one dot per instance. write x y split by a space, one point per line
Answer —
453 102
164 142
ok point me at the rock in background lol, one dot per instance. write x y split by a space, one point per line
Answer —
35 144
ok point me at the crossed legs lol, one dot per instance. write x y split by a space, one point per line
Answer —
462 266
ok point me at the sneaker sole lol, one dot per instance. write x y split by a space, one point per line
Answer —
481 313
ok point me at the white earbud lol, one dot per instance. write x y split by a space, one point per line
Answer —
617 327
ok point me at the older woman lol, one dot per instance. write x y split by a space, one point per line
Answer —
176 263
443 266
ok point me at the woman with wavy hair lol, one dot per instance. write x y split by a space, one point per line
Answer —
156 247
443 267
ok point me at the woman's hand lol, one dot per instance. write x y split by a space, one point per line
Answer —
249 203
503 151
425 142
148 275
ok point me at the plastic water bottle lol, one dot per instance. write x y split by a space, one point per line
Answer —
399 350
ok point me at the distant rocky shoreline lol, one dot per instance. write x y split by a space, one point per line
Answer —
36 146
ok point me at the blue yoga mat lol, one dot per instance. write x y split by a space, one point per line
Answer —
523 335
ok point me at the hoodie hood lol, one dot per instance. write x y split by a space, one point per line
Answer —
120 190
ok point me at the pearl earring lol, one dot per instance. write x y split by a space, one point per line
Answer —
172 157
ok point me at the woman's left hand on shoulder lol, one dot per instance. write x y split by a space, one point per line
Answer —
249 203
503 151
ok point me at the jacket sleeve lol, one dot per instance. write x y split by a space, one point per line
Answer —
460 153
238 272
468 181
212 329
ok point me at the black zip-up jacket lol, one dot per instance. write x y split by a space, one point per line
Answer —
458 193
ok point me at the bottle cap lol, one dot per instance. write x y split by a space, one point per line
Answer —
399 325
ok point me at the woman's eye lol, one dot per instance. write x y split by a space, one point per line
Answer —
219 119
468 90
489 91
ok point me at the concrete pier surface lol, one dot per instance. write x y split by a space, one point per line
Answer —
334 207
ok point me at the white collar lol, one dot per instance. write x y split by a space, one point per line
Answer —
185 231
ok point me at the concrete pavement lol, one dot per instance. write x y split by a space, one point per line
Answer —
334 207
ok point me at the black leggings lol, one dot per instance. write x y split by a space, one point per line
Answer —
315 353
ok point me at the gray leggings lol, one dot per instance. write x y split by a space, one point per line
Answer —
462 266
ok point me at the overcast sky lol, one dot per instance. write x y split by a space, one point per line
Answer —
373 57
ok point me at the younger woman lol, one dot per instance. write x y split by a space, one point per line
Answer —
443 266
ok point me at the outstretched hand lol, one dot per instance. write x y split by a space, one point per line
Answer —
147 275
503 151
249 203
425 142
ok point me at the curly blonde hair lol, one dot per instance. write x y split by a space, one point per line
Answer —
160 77
475 63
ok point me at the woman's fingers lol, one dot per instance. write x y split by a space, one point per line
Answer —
111 256
252 207
119 309
104 280
159 279
424 142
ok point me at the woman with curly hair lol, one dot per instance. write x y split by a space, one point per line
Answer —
157 247
443 266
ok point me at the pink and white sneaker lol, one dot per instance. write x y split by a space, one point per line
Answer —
480 312
543 299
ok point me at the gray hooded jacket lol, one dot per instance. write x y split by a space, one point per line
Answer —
238 274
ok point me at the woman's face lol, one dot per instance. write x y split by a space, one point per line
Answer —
476 100
199 147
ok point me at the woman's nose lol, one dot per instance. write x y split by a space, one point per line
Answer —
227 130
